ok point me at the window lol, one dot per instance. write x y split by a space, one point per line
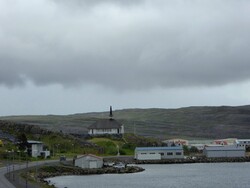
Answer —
169 153
178 153
143 153
162 154
152 153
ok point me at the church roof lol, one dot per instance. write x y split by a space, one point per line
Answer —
105 124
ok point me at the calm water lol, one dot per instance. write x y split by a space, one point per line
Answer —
221 175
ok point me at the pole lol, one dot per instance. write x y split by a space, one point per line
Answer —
9 163
54 150
26 182
36 167
13 175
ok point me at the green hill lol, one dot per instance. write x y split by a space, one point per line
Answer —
190 122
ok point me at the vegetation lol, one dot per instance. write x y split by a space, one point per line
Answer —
191 122
58 143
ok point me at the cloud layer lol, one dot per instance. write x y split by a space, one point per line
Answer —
134 45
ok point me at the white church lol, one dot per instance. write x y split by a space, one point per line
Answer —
106 126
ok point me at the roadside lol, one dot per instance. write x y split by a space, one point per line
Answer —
10 179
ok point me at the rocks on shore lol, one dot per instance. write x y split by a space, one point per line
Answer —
52 171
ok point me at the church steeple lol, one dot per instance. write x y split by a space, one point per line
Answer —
110 113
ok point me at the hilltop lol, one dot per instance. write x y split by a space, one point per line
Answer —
189 122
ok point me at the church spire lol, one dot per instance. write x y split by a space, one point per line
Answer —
110 113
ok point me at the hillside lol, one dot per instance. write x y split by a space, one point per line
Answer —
190 122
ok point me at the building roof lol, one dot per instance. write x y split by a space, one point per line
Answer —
157 148
34 142
105 124
243 140
90 155
224 148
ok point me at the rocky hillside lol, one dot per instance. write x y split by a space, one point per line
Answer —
190 122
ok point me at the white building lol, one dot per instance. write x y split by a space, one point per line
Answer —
106 126
224 151
243 142
89 161
199 144
158 153
176 142
35 149
227 141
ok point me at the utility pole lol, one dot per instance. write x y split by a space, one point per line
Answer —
134 129
13 175
26 182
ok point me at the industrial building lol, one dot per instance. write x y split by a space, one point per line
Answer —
243 142
224 151
158 153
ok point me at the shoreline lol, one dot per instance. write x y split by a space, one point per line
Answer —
195 160
54 171
60 169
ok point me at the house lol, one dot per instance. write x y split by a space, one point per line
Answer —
158 153
224 151
227 141
35 149
176 142
243 142
199 144
106 126
89 161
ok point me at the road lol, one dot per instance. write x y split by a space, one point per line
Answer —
4 183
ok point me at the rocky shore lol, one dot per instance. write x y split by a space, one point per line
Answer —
59 170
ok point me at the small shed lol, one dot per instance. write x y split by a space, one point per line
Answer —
224 151
89 161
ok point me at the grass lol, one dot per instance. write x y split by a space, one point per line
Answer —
191 122
111 146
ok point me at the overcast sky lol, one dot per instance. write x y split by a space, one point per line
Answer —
64 57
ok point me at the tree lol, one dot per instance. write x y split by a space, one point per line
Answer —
193 150
22 142
186 150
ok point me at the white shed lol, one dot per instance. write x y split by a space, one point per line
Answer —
89 161
224 151
158 153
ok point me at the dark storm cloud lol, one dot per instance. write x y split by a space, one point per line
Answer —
158 43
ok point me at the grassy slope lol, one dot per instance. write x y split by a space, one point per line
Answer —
191 122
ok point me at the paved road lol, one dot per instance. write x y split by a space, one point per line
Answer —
4 183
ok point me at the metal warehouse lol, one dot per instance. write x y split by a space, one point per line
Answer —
224 151
158 153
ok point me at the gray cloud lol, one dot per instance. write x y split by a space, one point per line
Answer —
153 44
87 3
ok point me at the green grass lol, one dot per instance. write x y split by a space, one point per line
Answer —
111 146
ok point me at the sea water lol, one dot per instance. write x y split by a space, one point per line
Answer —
198 175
